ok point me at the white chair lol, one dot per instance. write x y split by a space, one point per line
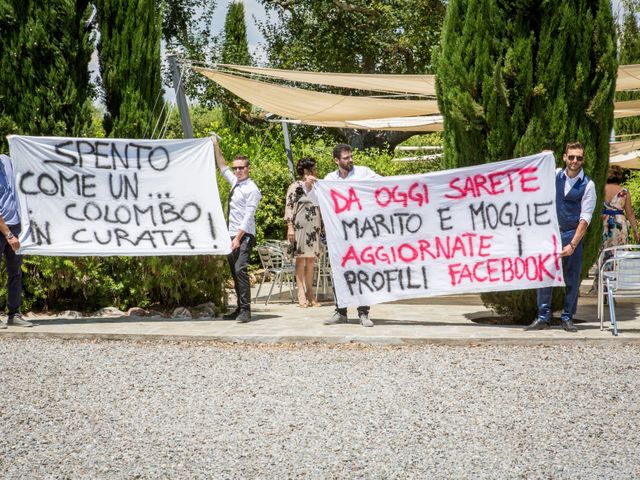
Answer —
276 263
619 271
322 274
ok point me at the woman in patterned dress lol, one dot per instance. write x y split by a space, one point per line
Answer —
617 214
304 226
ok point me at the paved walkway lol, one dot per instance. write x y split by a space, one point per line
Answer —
442 320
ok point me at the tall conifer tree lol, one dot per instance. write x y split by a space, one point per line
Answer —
235 50
45 48
516 77
129 52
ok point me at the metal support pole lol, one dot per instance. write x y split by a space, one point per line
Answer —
287 147
181 98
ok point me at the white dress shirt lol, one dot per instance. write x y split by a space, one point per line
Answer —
589 199
242 204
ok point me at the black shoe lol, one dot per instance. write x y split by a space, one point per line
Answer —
244 316
231 316
568 325
538 324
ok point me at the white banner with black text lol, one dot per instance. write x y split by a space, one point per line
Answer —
101 196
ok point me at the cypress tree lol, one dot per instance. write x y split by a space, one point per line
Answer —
129 53
45 48
516 77
235 50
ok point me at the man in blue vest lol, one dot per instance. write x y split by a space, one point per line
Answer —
575 203
9 243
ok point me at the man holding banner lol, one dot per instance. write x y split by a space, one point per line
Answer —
343 157
575 203
242 205
10 228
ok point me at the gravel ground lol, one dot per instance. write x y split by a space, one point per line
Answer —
194 410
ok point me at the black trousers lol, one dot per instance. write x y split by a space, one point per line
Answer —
14 273
239 265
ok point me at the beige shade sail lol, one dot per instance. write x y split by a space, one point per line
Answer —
626 160
397 124
627 108
310 106
621 148
411 84
628 78
364 112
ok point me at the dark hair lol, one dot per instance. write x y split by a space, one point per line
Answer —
242 157
305 163
573 146
615 174
339 148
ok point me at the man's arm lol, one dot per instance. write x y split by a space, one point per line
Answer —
222 164
12 240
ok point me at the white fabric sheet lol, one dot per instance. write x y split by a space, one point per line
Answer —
484 228
100 196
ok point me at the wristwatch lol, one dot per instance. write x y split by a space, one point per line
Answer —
9 236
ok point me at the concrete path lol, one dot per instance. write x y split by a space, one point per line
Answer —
442 320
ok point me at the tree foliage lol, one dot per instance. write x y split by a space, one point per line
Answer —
45 47
359 36
235 50
518 77
129 54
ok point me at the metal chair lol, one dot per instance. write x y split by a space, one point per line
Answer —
619 271
275 262
322 274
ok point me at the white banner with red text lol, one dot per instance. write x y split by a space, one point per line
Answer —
102 196
484 228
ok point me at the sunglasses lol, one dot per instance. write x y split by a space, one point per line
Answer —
238 168
579 158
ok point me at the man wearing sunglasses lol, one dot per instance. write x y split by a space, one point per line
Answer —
244 197
575 203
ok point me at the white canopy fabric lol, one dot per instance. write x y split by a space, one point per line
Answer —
411 84
309 106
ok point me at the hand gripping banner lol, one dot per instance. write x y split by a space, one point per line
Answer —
484 228
100 196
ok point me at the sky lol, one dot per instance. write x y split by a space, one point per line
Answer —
253 10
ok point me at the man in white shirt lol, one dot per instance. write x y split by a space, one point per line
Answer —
244 197
575 203
343 157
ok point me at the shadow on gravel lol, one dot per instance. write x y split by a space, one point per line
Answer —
426 323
